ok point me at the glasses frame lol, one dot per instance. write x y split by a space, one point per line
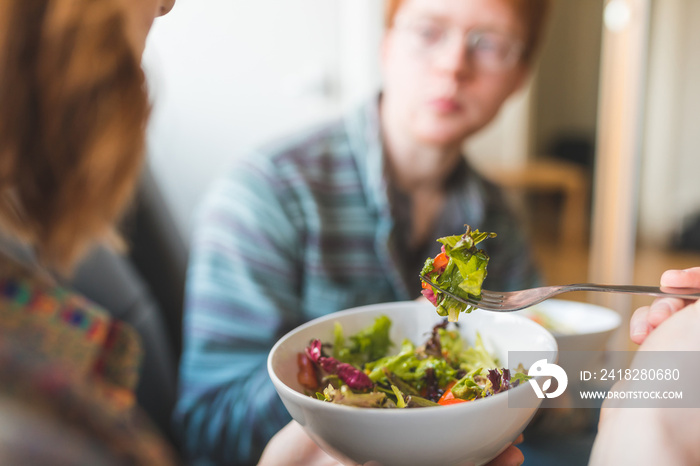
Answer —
509 58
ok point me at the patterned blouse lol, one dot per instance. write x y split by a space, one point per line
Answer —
67 374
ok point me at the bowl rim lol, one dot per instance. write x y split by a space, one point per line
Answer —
302 398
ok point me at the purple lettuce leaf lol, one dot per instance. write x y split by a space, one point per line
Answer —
352 376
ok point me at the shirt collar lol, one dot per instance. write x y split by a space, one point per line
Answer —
466 193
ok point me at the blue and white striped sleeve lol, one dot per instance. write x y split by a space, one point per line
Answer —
242 292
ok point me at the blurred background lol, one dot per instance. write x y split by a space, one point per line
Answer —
599 152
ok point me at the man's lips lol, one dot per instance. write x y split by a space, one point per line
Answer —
445 105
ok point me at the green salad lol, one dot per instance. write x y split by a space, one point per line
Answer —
360 370
460 269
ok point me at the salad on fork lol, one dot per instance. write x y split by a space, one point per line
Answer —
459 269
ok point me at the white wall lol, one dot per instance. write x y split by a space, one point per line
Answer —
228 75
508 140
670 190
566 96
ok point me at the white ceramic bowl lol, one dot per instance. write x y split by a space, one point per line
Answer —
588 327
465 433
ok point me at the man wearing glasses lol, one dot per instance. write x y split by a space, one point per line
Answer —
346 214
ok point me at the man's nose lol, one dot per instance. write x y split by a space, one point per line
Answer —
452 57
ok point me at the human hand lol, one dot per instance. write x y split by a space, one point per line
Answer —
657 435
647 318
512 456
678 332
291 446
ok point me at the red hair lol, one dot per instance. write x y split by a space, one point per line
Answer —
533 14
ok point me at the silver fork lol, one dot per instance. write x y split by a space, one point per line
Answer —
506 301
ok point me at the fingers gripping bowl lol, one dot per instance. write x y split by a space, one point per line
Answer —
468 432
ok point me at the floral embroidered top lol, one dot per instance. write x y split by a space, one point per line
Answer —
69 364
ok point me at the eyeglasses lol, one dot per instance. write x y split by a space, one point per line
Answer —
488 51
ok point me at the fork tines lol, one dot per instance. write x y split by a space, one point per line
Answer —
487 298
491 297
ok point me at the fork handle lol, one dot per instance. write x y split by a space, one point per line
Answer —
684 293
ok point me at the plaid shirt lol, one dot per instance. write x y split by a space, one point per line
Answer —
296 231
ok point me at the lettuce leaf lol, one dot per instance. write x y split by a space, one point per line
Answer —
476 356
463 275
345 396
368 344
348 373
415 377
411 367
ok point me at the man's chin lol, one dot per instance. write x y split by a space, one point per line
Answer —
443 129
440 137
